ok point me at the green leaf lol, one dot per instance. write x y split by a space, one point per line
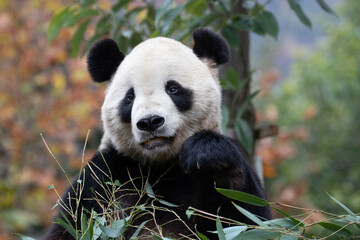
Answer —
23 237
86 228
119 5
269 23
161 12
196 7
296 221
244 134
189 213
149 190
86 3
201 236
220 230
84 13
56 204
243 197
340 230
169 17
135 39
258 234
232 232
295 6
167 203
117 183
115 230
57 23
343 206
241 22
67 226
251 216
281 223
78 36
225 118
325 7
138 229
245 104
232 77
231 35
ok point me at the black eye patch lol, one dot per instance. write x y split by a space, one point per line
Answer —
182 97
126 106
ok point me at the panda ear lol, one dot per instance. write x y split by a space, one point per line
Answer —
210 45
103 60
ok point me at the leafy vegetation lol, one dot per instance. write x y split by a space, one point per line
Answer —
321 96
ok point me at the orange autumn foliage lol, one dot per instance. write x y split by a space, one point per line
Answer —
42 90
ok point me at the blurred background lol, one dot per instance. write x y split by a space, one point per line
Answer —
309 81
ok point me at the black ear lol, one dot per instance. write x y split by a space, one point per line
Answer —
210 45
103 60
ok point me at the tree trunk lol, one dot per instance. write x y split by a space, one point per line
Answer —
240 61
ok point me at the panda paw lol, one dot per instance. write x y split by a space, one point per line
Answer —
210 153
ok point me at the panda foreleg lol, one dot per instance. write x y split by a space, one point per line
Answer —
212 158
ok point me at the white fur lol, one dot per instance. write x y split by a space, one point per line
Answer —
147 69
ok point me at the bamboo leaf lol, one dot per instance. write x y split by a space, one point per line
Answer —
220 230
167 203
202 236
342 205
258 234
296 221
149 190
251 216
243 197
138 229
232 232
68 227
340 230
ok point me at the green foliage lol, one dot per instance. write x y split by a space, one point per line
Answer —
327 80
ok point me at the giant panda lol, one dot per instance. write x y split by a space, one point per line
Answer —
161 118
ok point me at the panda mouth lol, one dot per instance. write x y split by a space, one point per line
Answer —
157 142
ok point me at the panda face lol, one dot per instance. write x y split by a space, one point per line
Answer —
160 95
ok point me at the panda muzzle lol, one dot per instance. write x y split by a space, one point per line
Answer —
157 142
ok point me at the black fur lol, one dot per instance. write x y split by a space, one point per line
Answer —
126 106
103 60
210 45
182 183
182 97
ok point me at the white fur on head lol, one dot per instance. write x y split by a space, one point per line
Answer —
147 69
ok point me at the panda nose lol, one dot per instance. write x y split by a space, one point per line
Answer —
151 123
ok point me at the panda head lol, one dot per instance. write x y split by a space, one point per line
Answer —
160 94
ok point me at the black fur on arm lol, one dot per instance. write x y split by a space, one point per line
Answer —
211 157
103 60
212 154
210 45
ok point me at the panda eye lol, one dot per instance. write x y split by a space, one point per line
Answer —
173 90
130 95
